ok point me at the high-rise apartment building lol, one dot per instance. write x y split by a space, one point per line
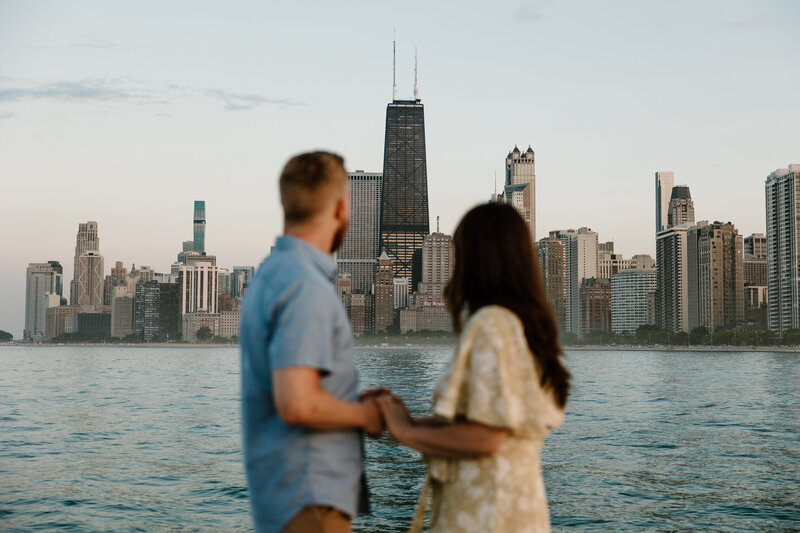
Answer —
783 235
123 312
672 286
665 181
384 293
42 283
595 305
157 314
681 207
632 291
520 186
405 220
552 254
199 226
361 245
240 279
581 254
90 279
715 276
427 309
87 241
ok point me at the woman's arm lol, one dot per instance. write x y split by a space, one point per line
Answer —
461 440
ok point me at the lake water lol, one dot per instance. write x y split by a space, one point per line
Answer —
147 439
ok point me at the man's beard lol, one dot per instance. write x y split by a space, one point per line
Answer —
338 237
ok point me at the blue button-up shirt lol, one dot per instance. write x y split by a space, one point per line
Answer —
291 316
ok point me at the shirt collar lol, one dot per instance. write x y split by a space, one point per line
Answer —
323 262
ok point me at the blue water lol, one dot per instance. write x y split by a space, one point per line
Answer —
147 439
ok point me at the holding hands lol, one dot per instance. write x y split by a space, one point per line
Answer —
385 411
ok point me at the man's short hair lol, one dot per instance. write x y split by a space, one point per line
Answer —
309 182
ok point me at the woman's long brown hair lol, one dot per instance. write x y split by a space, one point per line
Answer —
495 264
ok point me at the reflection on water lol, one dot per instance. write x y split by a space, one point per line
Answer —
140 439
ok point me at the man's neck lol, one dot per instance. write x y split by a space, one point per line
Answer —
316 238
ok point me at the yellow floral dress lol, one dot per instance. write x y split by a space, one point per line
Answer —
492 380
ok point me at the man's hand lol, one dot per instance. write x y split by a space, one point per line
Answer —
373 424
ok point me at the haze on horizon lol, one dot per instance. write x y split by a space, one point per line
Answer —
127 113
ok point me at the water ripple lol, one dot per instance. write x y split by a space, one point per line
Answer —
140 439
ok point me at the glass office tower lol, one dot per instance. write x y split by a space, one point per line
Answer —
199 226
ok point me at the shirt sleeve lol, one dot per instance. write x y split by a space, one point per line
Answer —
485 386
303 329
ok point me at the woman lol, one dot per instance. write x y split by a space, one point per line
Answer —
502 393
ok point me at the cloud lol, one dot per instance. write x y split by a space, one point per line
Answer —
131 92
751 24
241 101
96 44
5 116
528 12
86 90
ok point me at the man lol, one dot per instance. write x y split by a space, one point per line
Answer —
301 414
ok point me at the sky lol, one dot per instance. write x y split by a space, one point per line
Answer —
126 112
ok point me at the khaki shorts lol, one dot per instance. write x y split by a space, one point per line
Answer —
318 519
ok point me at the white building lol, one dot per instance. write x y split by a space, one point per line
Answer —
42 281
664 183
199 289
581 264
632 291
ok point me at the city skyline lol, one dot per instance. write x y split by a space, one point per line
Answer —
107 95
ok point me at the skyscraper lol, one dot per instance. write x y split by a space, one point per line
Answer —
405 220
632 290
664 183
755 246
41 285
715 276
520 186
199 288
384 293
200 226
672 286
553 264
681 207
240 278
90 279
86 241
783 262
360 248
581 264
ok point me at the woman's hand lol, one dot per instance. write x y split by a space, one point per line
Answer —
396 416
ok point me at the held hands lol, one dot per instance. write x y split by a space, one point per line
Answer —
374 424
396 416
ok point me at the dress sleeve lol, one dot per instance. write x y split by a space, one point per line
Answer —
485 384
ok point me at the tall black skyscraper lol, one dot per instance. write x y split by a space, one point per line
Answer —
405 221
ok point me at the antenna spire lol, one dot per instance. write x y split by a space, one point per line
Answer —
416 87
437 225
394 67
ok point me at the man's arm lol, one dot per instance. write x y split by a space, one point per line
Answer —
302 401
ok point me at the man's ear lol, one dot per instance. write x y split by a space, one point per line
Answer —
340 209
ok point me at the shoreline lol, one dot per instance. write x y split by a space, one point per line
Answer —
413 346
